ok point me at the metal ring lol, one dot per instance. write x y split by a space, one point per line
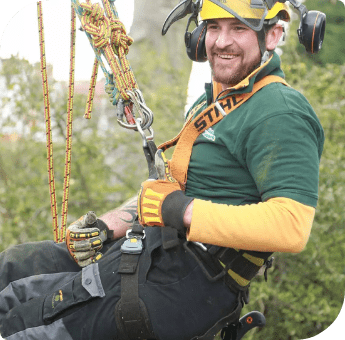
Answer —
130 230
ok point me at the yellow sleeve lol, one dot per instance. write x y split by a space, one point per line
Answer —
278 225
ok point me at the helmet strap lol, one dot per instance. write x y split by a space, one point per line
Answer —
262 45
265 55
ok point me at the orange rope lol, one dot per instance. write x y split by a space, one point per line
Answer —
91 94
50 161
58 238
68 129
109 35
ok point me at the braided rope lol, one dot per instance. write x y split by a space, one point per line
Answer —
91 93
120 42
68 129
109 35
50 161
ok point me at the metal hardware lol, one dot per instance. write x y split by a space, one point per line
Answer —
133 244
139 109
201 246
130 234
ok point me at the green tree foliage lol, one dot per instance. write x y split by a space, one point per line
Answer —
108 164
333 50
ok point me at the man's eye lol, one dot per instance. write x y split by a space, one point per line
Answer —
212 27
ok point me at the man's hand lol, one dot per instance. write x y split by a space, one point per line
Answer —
85 237
162 202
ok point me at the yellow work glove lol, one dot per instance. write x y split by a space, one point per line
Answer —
85 237
162 202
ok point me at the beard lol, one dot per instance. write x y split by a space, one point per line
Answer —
231 75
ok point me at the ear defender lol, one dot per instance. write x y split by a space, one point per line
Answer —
311 31
195 43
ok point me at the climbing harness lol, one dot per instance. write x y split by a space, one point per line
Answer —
110 43
236 268
204 120
130 312
241 265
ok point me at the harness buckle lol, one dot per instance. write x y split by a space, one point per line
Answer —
133 244
268 265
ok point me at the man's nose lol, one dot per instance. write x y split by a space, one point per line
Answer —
224 39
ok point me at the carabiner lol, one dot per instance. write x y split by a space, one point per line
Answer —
140 108
142 133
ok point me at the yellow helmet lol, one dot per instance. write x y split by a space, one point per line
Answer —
242 10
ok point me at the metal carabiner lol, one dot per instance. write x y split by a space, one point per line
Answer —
145 113
120 112
142 133
139 108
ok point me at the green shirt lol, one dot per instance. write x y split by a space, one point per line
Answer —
268 147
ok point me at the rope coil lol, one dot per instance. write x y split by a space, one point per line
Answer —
109 36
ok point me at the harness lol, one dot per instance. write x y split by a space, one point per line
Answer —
236 267
195 126
131 315
241 265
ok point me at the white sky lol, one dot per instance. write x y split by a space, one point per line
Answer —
19 35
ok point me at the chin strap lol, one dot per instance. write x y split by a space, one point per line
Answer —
262 45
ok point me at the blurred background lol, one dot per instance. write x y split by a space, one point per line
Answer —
305 292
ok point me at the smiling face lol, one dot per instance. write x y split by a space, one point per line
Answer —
232 49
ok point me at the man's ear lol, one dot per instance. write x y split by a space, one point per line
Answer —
273 36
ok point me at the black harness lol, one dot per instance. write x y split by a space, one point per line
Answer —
131 314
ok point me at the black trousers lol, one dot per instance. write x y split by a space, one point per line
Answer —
45 295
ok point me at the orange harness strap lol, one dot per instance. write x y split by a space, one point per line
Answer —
210 116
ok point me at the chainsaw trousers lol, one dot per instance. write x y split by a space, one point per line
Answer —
45 295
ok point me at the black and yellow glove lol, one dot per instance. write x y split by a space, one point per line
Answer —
162 202
85 237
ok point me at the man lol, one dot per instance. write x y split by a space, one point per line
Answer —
237 190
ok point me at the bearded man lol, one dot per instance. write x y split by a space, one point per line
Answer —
242 184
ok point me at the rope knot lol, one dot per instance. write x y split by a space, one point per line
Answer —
119 38
96 24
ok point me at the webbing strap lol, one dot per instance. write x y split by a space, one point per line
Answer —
210 116
131 315
128 310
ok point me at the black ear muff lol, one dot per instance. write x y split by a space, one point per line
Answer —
311 31
195 43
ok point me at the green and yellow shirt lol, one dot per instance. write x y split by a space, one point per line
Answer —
255 173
